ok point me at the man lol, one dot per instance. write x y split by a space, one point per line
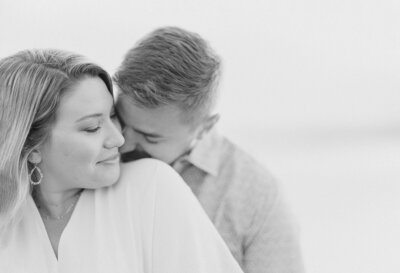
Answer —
167 88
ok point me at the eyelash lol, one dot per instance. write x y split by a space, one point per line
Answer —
92 130
113 116
150 141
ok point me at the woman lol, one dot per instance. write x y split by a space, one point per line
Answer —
66 203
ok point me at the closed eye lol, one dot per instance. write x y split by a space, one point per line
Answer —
92 130
151 141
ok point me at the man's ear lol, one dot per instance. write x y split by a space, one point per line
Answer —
208 124
35 157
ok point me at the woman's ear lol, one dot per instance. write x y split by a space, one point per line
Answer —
35 157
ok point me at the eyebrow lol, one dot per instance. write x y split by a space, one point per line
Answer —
96 115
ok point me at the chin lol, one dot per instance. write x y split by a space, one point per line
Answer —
107 178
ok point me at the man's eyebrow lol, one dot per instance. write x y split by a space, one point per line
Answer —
96 115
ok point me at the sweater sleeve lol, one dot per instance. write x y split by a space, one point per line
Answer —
272 240
184 239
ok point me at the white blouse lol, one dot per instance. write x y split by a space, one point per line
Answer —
147 222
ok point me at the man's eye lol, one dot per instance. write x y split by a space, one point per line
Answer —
151 141
113 115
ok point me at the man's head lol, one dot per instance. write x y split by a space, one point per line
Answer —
167 91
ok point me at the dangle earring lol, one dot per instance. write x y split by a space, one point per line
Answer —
35 176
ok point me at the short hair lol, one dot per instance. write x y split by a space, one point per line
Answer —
32 83
171 66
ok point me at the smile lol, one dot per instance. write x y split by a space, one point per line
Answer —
110 160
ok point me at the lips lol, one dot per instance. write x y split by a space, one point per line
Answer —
110 160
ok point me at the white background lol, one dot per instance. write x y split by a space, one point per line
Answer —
311 88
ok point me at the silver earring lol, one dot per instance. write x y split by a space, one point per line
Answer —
35 179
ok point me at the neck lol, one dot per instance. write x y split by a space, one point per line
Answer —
55 204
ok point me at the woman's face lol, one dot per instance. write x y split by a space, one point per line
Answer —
82 148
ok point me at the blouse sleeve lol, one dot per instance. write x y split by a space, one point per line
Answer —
184 239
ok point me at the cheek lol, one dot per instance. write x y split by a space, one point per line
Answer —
77 154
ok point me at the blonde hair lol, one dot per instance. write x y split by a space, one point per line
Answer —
32 83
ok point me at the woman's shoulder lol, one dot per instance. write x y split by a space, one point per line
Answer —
147 168
147 187
143 168
139 167
137 189
146 175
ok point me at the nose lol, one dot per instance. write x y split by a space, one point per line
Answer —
114 137
131 140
